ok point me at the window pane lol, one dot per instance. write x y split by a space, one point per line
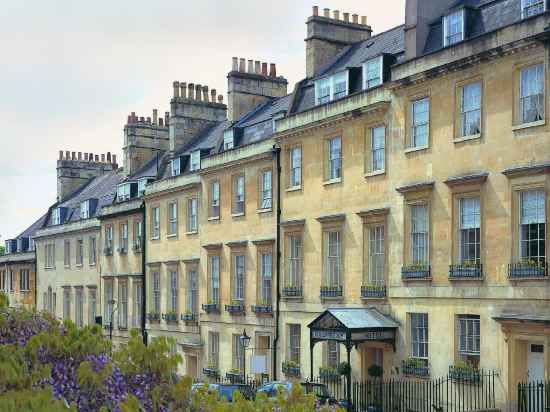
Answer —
532 93
420 121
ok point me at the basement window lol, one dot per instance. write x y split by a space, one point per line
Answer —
531 8
332 87
453 28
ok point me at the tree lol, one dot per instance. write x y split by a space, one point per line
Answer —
2 250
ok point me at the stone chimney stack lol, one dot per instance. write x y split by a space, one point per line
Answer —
74 170
327 36
251 85
193 111
418 16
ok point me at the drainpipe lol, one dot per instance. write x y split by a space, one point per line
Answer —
143 294
277 153
35 280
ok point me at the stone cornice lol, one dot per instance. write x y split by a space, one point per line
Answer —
535 169
416 187
79 226
471 179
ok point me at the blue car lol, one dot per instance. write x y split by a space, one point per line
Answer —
226 390
320 390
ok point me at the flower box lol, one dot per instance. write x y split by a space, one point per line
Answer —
211 307
527 270
235 308
415 272
373 291
153 317
466 271
292 292
189 317
415 367
331 291
262 309
211 372
170 317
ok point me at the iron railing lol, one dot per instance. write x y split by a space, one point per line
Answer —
331 291
534 397
526 271
415 272
373 291
466 271
292 291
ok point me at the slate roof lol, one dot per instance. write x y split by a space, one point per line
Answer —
31 230
483 16
149 169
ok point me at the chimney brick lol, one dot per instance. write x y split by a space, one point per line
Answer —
102 157
176 85
61 155
315 10
346 17
258 67
114 159
235 66
108 157
250 66
79 155
272 70
161 122
198 92
364 20
336 14
242 64
213 94
326 12
97 158
191 91
183 90
155 116
355 18
220 99
264 69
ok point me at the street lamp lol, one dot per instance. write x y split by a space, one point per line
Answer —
245 341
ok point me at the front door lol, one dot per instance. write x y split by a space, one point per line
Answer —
535 362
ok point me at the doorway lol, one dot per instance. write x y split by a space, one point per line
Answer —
192 366
535 362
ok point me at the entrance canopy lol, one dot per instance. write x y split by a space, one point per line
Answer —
352 326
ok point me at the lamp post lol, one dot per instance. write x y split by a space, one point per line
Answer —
245 341
113 310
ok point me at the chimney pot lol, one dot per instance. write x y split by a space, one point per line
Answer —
155 116
148 119
272 70
73 155
346 17
315 10
161 122
235 66
242 64
326 12
133 117
166 118
67 155
142 119
355 18
79 155
258 67
129 121
108 157
191 91
114 160
205 93
250 66
61 155
213 94
97 158
220 99
364 20
198 92
102 157
176 85
85 157
336 14
183 88
264 69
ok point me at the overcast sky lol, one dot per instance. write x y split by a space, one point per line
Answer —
72 70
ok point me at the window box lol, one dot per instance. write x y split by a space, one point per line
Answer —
526 270
292 292
108 251
373 292
189 317
211 307
262 309
153 317
463 372
466 271
329 374
122 250
137 248
235 308
413 272
291 369
211 372
415 367
331 291
234 376
170 317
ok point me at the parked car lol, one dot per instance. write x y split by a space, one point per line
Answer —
320 390
226 390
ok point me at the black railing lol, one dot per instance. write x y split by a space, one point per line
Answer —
211 372
235 308
527 270
331 291
153 317
464 374
211 307
418 368
262 309
189 317
373 291
534 397
415 272
292 292
170 317
466 271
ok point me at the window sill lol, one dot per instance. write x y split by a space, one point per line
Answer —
155 238
173 236
416 149
260 211
79 265
375 173
294 188
528 125
467 138
213 218
191 233
91 264
332 181
237 214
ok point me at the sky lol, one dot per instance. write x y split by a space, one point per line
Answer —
71 71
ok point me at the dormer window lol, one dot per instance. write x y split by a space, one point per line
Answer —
31 245
85 210
58 215
332 88
453 28
175 166
372 72
124 192
195 163
142 182
8 247
532 7
228 139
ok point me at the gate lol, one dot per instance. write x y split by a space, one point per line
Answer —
534 397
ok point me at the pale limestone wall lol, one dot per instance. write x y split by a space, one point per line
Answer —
15 263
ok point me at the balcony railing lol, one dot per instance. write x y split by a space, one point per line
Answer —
373 291
262 309
235 308
211 307
414 272
153 317
527 270
464 374
189 317
170 317
292 292
331 291
466 271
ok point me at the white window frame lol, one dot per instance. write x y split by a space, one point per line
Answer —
172 218
138 304
331 82
124 237
175 166
334 162
67 253
79 252
193 291
239 194
419 335
56 216
155 289
464 114
295 251
123 304
471 344
266 190
446 35
418 124
416 234
155 220
24 280
266 277
295 157
333 257
228 139
213 349
214 278
92 305
215 199
332 354
79 307
239 277
366 81
525 6
124 192
92 252
523 96
192 215
85 209
109 237
539 219
468 222
174 285
294 343
66 303
195 160
377 255
109 297
378 151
